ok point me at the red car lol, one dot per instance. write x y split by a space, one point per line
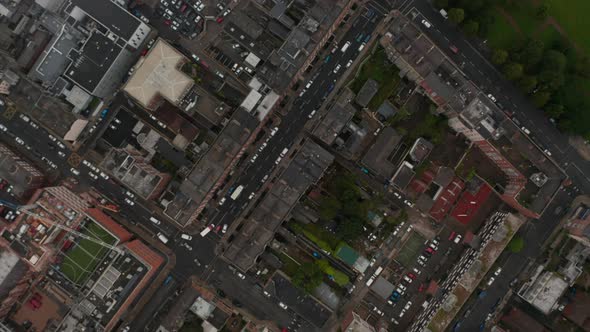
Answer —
168 22
411 276
454 49
430 250
219 19
218 228
452 236
421 288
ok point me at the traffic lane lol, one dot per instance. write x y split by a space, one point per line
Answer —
534 234
291 124
193 261
249 295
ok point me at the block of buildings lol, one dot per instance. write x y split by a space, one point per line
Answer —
15 278
133 169
20 173
544 291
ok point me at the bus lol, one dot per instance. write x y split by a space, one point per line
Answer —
345 47
237 192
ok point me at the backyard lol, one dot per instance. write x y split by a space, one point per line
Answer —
379 68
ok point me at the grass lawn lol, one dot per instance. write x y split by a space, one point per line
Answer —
411 249
379 68
501 34
80 261
570 15
549 36
290 266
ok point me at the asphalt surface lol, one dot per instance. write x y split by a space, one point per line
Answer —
484 75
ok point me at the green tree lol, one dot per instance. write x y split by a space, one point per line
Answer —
582 67
456 15
516 244
554 60
350 228
552 79
329 207
527 83
440 4
541 98
499 56
513 70
542 11
308 277
554 110
528 52
471 27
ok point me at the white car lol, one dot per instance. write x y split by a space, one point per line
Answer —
426 24
128 201
407 279
492 97
458 238
491 281
267 294
129 194
311 114
273 131
19 140
241 276
61 145
93 176
408 203
349 63
278 160
53 139
282 305
251 196
397 195
74 171
86 163
262 146
336 69
408 305
104 176
34 125
264 179
3 128
224 229
254 158
221 201
61 154
498 271
547 152
525 129
24 118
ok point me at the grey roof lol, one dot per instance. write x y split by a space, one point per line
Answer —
421 149
378 157
12 270
334 121
258 230
91 63
403 176
386 110
246 24
112 16
367 92
21 174
278 9
296 42
382 287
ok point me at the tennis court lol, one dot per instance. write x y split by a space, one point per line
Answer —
80 261
410 250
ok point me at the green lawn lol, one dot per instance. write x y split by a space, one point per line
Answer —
410 250
81 260
549 36
501 34
571 16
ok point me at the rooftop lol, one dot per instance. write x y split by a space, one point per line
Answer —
544 292
380 155
159 74
367 92
335 120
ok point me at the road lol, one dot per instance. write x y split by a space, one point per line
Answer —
484 75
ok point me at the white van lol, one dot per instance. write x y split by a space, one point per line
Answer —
186 237
284 152
162 238
155 221
444 13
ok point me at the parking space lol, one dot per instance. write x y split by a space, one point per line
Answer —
411 249
183 17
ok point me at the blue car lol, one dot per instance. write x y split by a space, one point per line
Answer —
395 296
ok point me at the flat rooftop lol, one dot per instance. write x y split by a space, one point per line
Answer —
91 63
110 15
159 75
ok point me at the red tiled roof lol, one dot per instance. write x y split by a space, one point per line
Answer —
446 199
121 233
469 204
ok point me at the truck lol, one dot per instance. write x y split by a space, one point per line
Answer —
237 192
206 231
